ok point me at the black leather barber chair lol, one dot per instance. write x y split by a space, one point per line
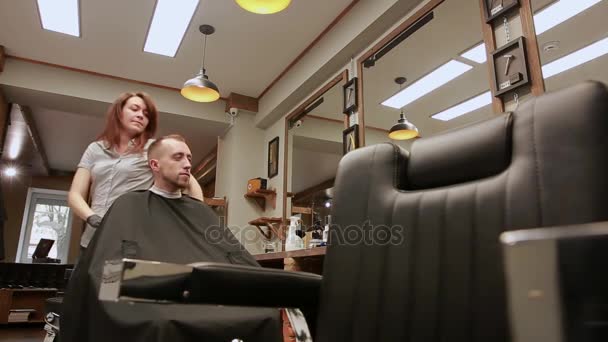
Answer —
414 254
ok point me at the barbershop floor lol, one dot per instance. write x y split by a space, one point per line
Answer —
22 333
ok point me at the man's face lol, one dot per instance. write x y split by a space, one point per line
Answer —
174 163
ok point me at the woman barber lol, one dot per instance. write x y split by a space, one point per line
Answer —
117 162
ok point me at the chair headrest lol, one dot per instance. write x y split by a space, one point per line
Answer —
465 154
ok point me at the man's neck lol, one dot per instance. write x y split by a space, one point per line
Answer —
165 191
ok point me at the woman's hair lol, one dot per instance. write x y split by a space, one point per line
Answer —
111 133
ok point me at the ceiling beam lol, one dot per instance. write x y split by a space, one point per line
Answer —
243 102
31 126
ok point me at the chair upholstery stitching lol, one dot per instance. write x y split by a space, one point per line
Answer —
473 258
354 305
441 272
536 167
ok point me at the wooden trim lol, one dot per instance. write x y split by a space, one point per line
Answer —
309 47
301 253
301 210
37 142
490 42
387 39
537 83
402 27
2 58
343 76
243 102
310 191
206 160
360 110
325 119
83 71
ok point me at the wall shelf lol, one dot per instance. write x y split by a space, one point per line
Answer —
215 202
304 260
32 299
260 196
270 223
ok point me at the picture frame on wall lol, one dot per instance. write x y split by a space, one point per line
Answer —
350 96
497 8
509 66
350 139
273 157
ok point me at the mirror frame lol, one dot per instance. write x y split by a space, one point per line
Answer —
341 78
428 8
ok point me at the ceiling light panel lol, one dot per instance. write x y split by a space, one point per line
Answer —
476 54
576 58
465 107
60 16
427 84
559 12
169 24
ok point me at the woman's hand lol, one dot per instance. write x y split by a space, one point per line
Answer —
194 189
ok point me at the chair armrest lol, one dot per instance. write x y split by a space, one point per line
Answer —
556 279
208 283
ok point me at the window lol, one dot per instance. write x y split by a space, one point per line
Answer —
48 216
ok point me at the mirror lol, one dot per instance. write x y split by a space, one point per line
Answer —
574 49
314 149
442 57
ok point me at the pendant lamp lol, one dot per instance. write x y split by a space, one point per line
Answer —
264 6
200 88
403 129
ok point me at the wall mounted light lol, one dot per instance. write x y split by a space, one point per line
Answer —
403 129
200 88
10 171
264 6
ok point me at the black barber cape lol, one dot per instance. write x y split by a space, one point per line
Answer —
143 225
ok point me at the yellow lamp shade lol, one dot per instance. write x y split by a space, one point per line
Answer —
403 130
200 89
403 134
264 6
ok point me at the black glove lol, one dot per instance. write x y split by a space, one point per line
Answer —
94 220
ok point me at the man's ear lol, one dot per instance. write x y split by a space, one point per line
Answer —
153 164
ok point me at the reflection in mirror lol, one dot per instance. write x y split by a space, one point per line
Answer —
572 41
314 151
444 63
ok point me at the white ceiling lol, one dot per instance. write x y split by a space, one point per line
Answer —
67 125
244 55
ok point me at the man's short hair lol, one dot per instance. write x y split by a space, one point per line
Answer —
154 148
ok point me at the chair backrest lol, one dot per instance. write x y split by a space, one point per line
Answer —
414 252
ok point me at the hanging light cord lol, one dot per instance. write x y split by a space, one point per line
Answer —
204 52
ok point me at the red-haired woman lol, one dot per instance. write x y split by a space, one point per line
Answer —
117 162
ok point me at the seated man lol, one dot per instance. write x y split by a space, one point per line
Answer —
160 224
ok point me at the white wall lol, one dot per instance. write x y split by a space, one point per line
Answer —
241 156
312 167
72 84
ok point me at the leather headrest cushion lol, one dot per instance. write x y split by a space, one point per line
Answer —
473 152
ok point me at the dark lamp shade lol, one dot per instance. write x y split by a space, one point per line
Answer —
403 130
